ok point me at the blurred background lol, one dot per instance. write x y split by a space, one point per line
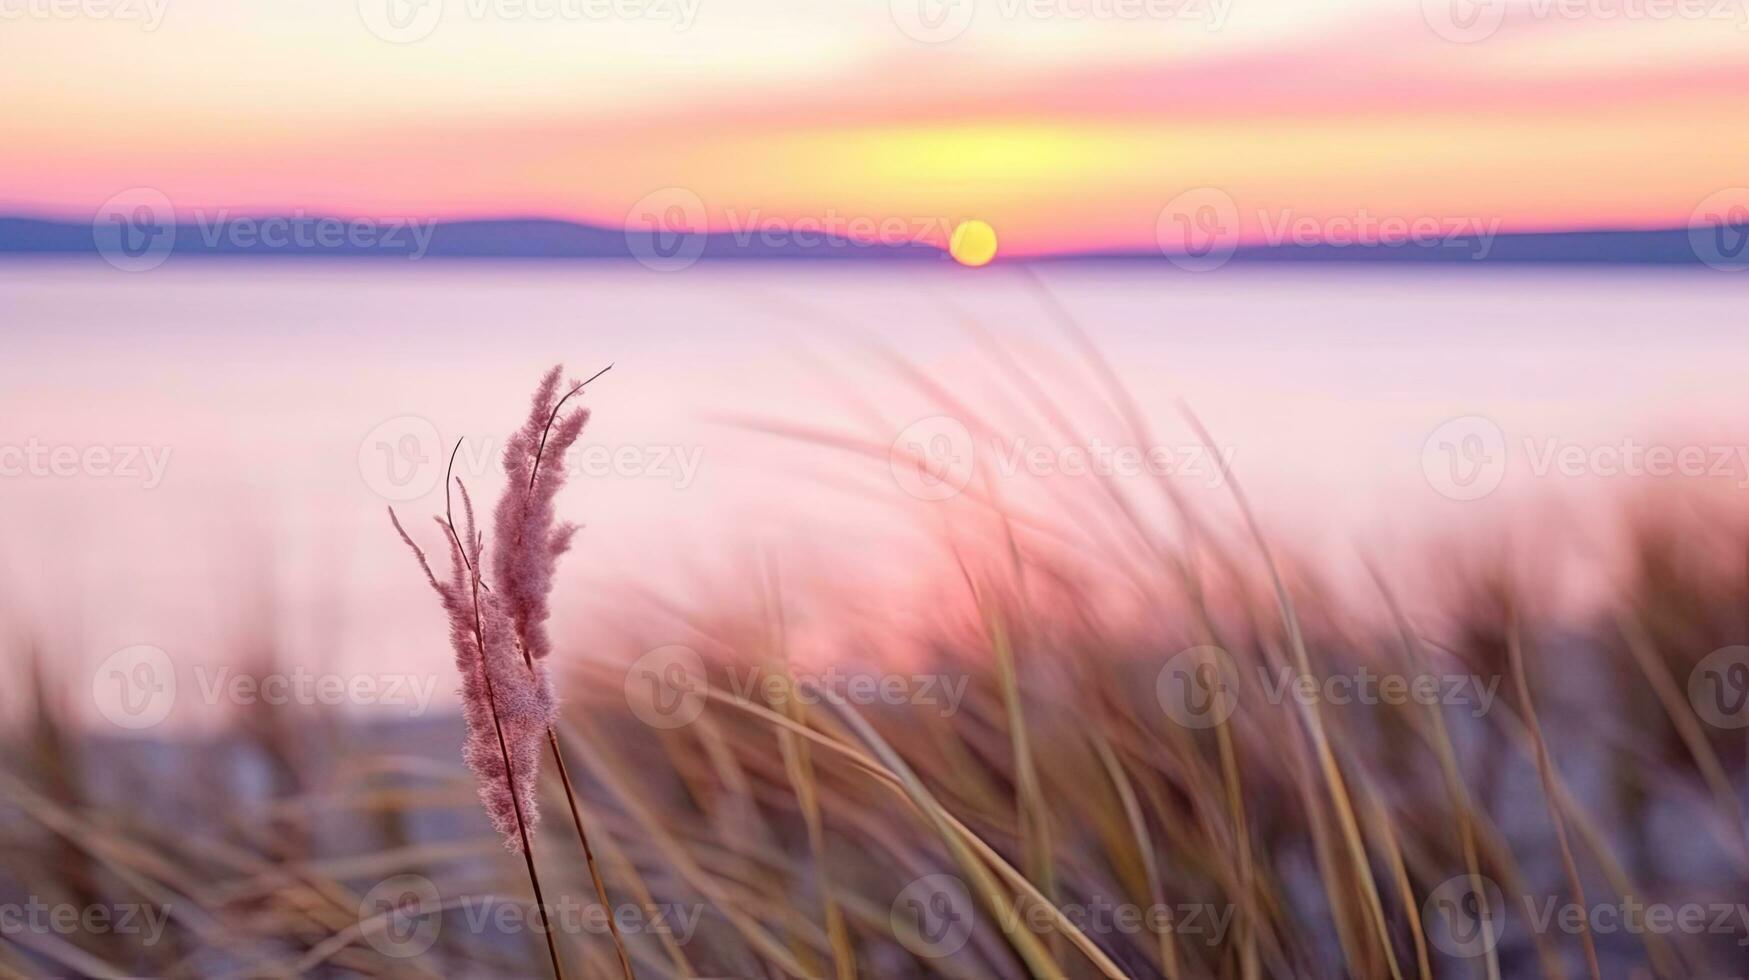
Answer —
1041 436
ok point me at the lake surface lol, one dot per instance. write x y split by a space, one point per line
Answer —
258 416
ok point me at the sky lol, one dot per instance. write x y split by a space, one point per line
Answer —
1069 125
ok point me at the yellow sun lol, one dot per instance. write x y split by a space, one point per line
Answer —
973 243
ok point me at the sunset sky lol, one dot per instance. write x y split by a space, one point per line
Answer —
1067 124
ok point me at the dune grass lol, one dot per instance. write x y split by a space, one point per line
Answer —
1071 813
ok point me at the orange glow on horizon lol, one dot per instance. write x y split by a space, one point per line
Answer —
1066 137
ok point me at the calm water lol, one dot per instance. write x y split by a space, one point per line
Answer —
259 416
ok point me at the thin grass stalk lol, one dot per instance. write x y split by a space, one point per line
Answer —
1545 771
627 872
1448 767
688 868
1309 712
1682 717
619 946
926 804
1132 807
799 767
140 869
1657 949
492 698
540 903
1136 421
1381 818
959 838
1038 960
1034 818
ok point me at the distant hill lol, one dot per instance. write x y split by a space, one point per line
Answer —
536 238
514 238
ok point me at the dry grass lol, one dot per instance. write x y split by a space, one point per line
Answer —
804 824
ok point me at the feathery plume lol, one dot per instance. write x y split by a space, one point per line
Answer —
499 635
530 538
507 704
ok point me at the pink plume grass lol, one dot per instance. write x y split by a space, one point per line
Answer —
504 697
530 537
499 635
